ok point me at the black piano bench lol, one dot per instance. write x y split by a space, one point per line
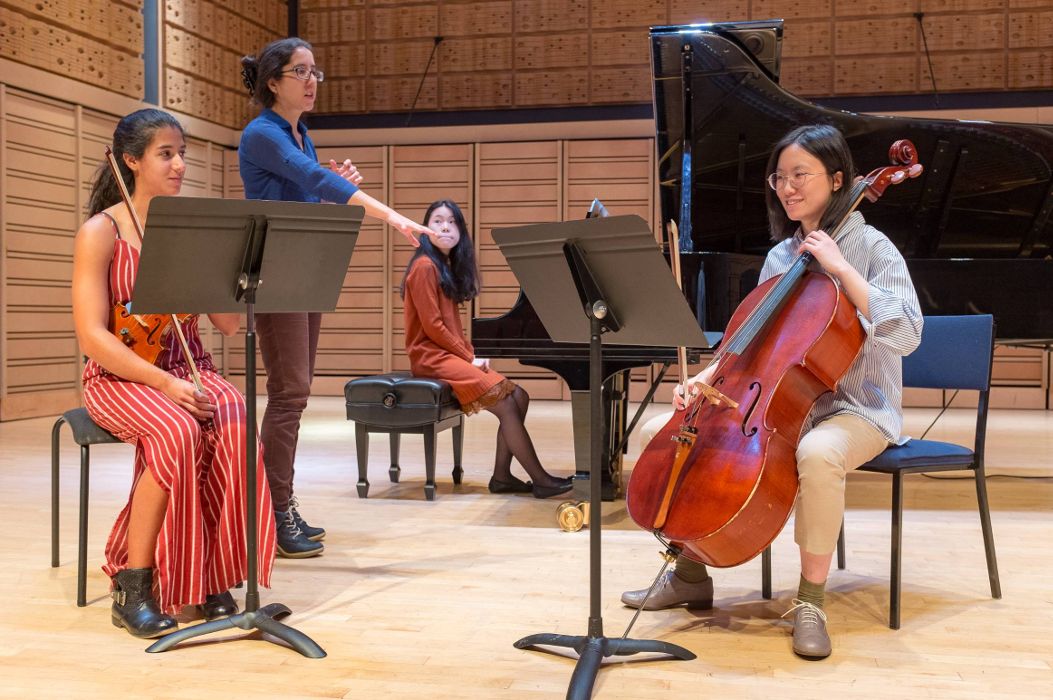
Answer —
400 403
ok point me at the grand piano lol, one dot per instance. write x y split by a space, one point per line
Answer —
976 229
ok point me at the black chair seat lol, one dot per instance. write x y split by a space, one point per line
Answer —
85 430
400 403
924 455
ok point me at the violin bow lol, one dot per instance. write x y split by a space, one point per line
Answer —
139 233
711 394
674 262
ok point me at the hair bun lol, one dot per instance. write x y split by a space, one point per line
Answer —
249 73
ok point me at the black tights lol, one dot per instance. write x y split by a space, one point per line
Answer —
514 441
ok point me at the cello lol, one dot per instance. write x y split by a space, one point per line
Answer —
719 480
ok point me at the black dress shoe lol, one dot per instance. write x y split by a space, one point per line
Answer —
562 486
219 605
513 486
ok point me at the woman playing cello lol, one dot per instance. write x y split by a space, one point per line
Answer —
810 173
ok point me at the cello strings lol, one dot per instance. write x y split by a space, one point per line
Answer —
774 298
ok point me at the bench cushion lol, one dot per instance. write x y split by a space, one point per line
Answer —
399 400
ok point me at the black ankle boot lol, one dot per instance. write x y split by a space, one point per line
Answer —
134 607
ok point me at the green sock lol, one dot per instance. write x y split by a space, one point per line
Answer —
808 592
690 571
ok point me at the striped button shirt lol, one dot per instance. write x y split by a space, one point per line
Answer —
872 389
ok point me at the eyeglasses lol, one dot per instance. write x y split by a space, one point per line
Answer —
796 181
304 73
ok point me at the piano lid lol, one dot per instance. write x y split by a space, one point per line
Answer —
986 193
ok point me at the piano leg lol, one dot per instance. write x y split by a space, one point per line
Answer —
615 444
615 391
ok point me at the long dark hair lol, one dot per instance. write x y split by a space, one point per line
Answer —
458 273
132 136
828 145
258 70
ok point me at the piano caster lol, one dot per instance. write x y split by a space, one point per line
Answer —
572 516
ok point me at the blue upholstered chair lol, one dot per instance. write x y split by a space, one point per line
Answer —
955 353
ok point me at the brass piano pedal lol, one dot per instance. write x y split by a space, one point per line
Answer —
572 515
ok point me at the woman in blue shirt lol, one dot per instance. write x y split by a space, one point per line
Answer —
278 162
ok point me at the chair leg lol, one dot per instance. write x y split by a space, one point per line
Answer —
841 547
394 470
55 490
82 535
429 462
458 450
985 525
897 542
766 573
362 452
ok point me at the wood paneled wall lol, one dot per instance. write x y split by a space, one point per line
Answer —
204 41
49 151
526 53
51 148
518 184
101 42
95 41
499 54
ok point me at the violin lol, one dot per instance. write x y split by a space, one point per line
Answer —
147 335
719 480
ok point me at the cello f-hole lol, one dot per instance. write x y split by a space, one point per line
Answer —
749 411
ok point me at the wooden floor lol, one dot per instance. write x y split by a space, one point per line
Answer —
417 599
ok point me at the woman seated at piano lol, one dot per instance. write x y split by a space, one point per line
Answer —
441 275
810 176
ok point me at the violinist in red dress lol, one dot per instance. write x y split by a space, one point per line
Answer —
180 540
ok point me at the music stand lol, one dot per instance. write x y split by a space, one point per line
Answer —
613 268
207 256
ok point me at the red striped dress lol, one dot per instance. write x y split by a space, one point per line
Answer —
201 546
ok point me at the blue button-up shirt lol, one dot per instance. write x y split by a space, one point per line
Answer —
274 167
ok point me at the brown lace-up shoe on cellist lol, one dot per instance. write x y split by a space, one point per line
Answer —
672 591
810 638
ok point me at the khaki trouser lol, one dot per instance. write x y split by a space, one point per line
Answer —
825 455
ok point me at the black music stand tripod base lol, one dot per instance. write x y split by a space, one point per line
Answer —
590 262
592 651
265 620
594 647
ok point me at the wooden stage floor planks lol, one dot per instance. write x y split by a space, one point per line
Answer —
424 599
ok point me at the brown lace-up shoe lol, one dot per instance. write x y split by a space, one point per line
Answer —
810 638
671 592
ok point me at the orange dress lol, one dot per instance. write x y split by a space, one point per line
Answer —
436 345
